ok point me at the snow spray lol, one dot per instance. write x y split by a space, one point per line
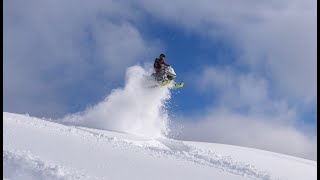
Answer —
135 109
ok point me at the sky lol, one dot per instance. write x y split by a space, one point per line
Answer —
249 67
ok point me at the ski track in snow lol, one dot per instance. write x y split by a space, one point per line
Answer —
161 147
169 148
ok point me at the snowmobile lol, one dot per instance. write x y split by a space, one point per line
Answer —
166 76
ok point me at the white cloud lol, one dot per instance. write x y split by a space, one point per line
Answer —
239 90
119 45
51 48
277 38
286 45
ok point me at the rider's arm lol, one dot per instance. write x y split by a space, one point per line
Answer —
165 63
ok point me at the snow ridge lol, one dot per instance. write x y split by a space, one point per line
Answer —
25 153
159 147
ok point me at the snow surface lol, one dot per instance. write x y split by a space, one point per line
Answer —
40 149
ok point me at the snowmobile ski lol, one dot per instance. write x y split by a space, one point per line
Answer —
178 85
166 83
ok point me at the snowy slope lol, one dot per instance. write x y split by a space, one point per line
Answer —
40 149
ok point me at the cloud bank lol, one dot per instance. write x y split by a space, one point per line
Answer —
276 39
53 48
246 114
223 126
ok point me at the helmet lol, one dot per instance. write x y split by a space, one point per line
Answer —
162 55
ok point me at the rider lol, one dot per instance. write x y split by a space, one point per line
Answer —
159 62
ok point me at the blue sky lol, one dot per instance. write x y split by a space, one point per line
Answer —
247 66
